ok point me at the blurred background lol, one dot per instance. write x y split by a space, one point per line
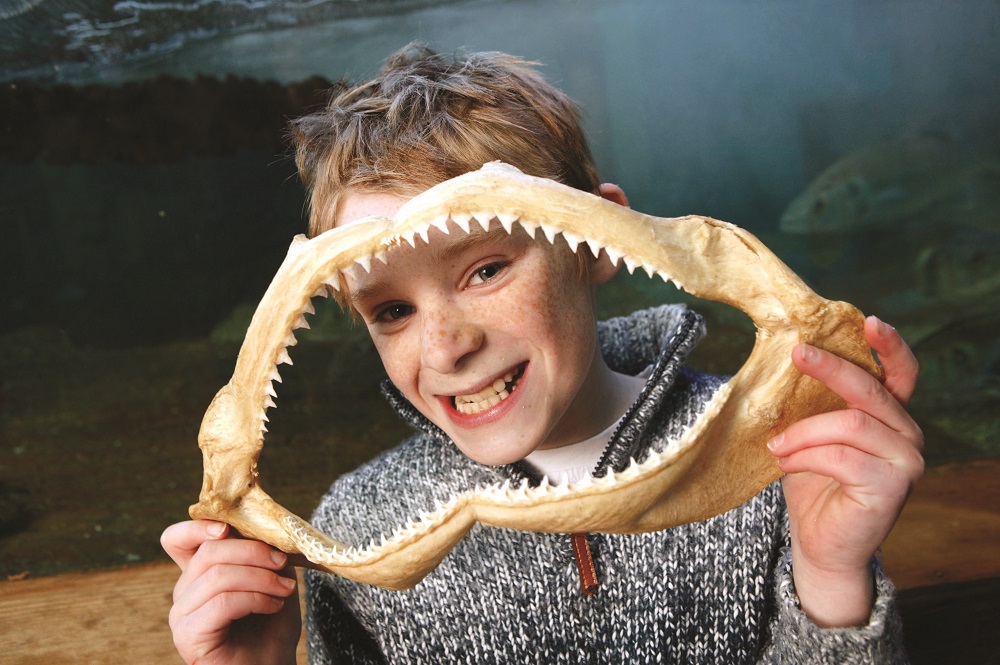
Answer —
147 195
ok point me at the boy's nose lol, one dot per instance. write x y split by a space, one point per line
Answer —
447 338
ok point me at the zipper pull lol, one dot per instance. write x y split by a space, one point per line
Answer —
584 563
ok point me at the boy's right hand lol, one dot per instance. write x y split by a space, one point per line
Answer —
235 601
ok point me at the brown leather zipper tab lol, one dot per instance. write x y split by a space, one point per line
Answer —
584 563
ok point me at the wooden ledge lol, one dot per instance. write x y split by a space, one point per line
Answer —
947 536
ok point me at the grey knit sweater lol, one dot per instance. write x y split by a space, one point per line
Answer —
718 591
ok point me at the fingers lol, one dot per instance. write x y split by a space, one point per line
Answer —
228 555
180 541
220 625
228 592
856 387
875 423
852 448
223 580
897 359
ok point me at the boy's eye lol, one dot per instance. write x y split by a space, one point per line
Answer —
486 273
393 313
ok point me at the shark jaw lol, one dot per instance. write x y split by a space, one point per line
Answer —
720 462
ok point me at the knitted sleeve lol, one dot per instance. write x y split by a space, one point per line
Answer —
796 639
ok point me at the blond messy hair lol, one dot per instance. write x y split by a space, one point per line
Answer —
426 118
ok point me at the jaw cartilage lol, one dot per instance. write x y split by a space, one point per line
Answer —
718 463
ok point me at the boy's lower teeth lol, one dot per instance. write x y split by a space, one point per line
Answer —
486 398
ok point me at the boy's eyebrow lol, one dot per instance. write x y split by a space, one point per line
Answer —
456 248
470 240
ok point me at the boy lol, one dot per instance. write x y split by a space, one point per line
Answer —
494 355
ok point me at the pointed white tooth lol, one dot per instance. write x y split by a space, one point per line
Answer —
275 376
529 227
333 281
263 416
383 257
424 231
269 389
365 262
562 487
441 223
572 240
595 247
321 292
290 339
650 462
263 428
633 468
283 357
649 270
410 237
507 220
630 264
462 220
607 479
302 323
614 255
269 402
484 221
550 232
308 309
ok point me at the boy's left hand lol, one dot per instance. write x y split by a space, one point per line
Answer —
848 474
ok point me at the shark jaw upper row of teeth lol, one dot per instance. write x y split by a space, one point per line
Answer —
332 282
484 220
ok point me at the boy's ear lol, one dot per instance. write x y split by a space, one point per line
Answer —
612 193
601 268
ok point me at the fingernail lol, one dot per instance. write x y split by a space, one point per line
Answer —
774 443
215 529
808 353
279 558
287 582
881 327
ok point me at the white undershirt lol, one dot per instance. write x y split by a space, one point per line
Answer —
572 462
577 460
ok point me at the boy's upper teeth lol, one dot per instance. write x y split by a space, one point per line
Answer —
489 396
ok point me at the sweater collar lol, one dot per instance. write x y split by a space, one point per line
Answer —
663 337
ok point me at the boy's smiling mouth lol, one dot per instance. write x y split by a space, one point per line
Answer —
490 396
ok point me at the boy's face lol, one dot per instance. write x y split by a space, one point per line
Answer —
490 335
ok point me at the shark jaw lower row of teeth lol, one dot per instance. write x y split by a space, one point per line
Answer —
317 550
467 404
